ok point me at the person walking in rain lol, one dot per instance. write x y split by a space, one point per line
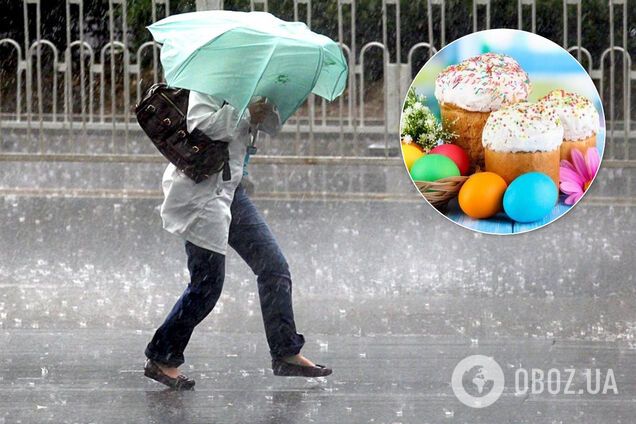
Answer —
210 216
245 72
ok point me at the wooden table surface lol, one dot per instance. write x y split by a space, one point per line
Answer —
500 223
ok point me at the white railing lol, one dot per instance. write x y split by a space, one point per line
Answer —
91 101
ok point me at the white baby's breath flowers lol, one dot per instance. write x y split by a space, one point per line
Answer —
419 125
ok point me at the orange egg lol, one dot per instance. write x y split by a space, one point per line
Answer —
411 152
481 196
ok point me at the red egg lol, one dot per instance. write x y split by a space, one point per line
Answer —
456 154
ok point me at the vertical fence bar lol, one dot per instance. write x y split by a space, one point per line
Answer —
99 68
385 35
297 135
28 68
442 21
38 70
354 86
68 80
565 24
111 30
566 28
1 92
18 72
71 103
626 79
385 41
579 25
155 64
353 71
22 66
155 58
209 4
124 36
393 79
429 15
311 100
137 69
262 3
80 4
626 83
126 69
533 11
385 61
612 122
476 4
38 73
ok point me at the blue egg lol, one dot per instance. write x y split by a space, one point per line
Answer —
530 197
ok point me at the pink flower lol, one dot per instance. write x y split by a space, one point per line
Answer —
576 176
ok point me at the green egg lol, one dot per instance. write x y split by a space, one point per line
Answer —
433 167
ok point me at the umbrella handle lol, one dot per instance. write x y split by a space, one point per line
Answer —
251 148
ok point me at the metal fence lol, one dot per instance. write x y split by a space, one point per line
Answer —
97 92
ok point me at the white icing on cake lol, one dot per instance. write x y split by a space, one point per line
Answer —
483 83
523 127
578 115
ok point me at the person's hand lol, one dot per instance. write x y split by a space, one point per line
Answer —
258 111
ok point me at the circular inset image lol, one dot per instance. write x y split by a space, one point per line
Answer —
502 131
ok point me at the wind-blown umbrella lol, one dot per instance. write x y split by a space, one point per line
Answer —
238 55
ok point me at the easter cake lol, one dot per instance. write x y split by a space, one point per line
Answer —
522 138
579 118
469 91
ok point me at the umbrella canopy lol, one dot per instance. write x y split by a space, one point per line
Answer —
238 55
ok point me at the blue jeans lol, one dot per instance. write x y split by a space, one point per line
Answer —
252 239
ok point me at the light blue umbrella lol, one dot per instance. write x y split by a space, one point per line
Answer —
237 56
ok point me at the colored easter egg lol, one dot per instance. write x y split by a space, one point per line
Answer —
481 196
433 168
456 153
530 197
411 152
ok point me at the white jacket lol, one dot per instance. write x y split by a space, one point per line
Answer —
200 213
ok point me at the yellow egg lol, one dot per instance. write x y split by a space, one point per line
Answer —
411 152
482 194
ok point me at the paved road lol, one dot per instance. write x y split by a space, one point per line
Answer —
94 376
391 295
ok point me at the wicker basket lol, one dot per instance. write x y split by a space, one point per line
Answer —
439 192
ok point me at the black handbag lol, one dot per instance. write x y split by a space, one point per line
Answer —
162 115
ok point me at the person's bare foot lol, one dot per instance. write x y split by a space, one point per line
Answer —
170 376
298 366
299 360
171 372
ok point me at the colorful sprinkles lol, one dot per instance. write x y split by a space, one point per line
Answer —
523 127
579 116
494 80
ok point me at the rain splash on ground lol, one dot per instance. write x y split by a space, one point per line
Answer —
387 292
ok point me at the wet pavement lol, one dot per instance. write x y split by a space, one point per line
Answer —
94 376
389 293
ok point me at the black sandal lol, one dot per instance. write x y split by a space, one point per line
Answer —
181 382
285 369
